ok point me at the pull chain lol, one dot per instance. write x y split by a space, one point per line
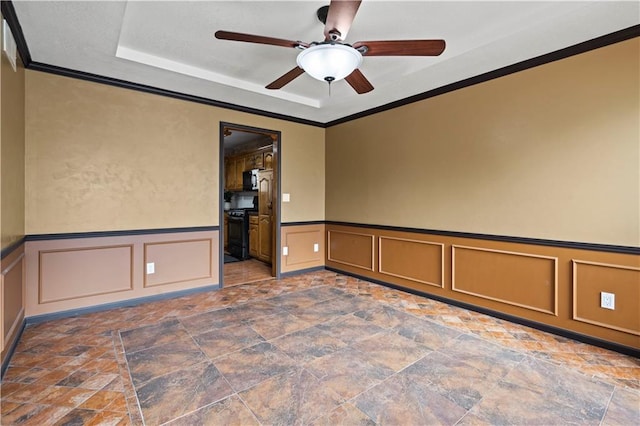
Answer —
329 80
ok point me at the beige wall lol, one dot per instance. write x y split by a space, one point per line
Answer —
552 152
11 153
101 158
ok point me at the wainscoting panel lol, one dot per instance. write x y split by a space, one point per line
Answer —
519 279
352 249
11 297
67 273
533 281
85 272
300 240
415 260
592 278
178 261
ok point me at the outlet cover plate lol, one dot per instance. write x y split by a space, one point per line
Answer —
607 300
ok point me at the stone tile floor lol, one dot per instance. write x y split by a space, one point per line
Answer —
246 271
320 349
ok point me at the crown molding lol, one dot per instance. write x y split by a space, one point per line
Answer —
9 14
596 43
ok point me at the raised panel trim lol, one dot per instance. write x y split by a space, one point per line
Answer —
41 252
318 256
372 268
12 265
6 337
497 299
441 285
11 247
609 248
155 243
14 326
575 294
120 233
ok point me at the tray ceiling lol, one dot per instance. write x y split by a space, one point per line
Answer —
170 45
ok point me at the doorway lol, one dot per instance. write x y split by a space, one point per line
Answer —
249 213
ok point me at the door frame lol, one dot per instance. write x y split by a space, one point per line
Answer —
276 136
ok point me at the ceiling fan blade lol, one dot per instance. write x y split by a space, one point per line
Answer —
250 38
339 18
402 47
286 79
359 82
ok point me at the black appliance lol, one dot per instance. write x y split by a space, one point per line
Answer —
239 233
250 180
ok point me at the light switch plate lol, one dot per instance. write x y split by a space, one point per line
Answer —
151 268
285 251
286 197
316 247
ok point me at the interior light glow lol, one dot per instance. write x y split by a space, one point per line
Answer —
329 62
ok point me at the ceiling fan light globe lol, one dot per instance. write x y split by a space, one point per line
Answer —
329 62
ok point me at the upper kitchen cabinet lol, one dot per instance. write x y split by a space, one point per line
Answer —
234 166
267 160
254 160
240 167
230 173
260 159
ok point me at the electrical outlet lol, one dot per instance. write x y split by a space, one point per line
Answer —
316 247
607 300
285 251
151 268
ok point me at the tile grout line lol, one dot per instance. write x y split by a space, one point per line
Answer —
522 351
606 409
364 290
129 389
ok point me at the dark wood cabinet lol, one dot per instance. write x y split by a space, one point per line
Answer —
235 165
265 214
239 168
254 160
229 173
268 160
264 236
233 168
254 239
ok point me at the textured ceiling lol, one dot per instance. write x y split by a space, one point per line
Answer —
170 45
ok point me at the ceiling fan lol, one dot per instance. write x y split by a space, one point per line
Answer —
333 59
